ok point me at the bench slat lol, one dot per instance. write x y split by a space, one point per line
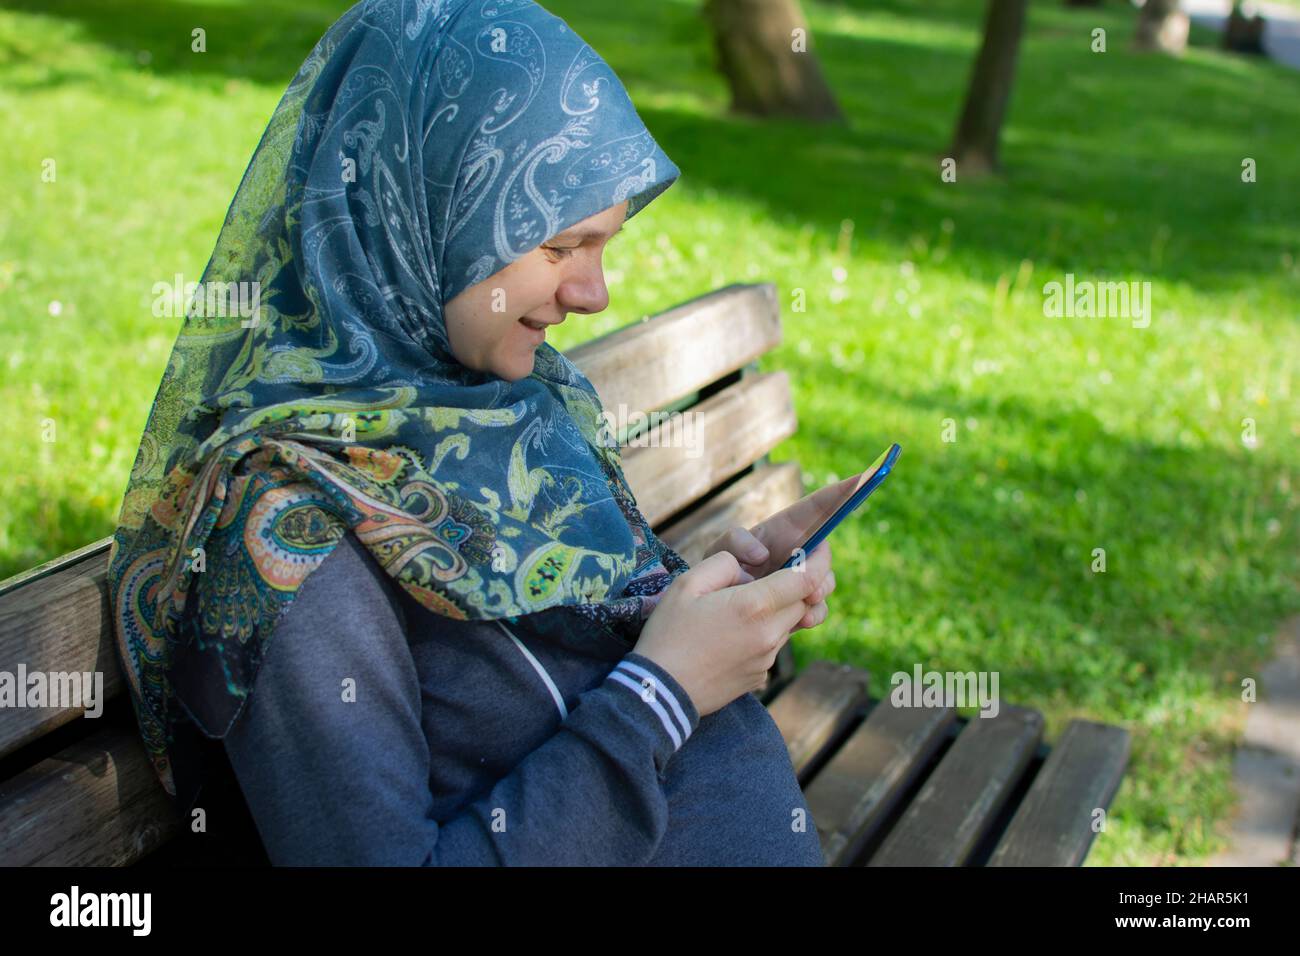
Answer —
60 563
651 364
961 799
816 708
853 794
1053 826
97 803
740 424
763 492
57 620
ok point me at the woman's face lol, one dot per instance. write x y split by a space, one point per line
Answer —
485 323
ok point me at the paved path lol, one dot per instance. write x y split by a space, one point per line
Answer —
1266 767
1281 32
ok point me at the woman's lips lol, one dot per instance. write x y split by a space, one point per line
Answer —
537 335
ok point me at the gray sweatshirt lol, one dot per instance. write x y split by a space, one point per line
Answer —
380 733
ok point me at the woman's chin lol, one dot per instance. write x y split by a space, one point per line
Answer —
519 367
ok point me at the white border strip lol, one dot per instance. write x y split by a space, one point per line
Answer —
537 666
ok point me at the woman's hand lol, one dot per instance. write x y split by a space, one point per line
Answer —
719 636
754 560
762 549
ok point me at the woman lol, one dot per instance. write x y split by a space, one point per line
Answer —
375 539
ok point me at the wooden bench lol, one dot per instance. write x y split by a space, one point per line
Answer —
886 785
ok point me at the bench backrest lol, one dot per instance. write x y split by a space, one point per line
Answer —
80 791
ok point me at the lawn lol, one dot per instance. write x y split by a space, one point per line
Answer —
924 320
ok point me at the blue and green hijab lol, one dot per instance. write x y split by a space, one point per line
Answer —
422 147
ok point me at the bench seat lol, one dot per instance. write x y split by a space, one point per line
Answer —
887 786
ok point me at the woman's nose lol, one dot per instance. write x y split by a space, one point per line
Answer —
584 291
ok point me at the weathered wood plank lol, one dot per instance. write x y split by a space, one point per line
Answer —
852 795
56 620
1054 823
97 803
962 797
649 365
750 500
813 712
732 430
62 562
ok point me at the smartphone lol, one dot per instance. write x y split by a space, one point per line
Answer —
869 482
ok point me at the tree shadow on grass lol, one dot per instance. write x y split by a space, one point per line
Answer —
262 42
1097 178
1127 164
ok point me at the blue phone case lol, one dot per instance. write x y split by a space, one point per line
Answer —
882 466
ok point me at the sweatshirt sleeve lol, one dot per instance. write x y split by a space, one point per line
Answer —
332 760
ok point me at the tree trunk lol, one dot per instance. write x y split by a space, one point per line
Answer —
975 144
771 70
1162 26
1244 34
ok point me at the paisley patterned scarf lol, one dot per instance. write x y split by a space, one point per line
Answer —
422 147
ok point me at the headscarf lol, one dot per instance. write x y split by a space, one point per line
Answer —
422 147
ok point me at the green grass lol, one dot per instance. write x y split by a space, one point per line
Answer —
923 305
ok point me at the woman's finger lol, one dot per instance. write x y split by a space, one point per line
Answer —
754 551
823 590
745 546
813 616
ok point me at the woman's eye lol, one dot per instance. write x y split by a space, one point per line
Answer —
560 251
